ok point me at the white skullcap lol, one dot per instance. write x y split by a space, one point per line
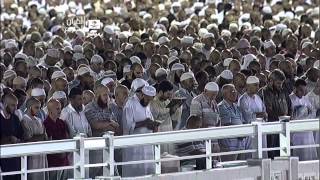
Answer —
67 49
210 1
149 91
225 32
187 75
21 55
9 73
80 33
212 86
257 28
289 15
299 9
123 35
108 29
33 3
247 59
172 59
280 27
110 73
58 74
80 12
163 40
226 62
128 46
306 44
177 66
38 92
106 81
10 44
77 56
53 53
202 32
138 83
135 59
233 27
252 80
268 44
316 64
226 74
210 26
59 95
126 68
208 35
162 19
78 49
173 52
187 40
267 10
19 80
96 59
147 16
83 70
55 28
176 4
161 72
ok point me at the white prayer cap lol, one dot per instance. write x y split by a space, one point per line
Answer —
108 29
163 19
59 95
213 25
96 59
252 80
78 49
210 1
53 53
267 10
149 91
123 35
106 81
187 40
316 64
80 33
233 27
306 44
110 73
177 66
147 16
163 40
67 49
289 15
126 68
77 56
128 46
138 83
285 32
257 28
226 33
208 35
9 73
38 92
161 72
21 55
10 44
55 28
19 80
247 59
83 70
280 27
58 74
80 12
135 59
33 3
268 44
176 4
173 52
299 9
187 75
212 86
172 59
227 61
226 74
202 32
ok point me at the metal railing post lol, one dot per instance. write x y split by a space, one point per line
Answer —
79 158
108 154
24 167
285 140
208 153
257 141
157 157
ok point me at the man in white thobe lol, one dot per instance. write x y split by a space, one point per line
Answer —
302 109
137 119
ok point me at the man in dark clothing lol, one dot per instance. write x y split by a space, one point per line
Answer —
277 104
11 133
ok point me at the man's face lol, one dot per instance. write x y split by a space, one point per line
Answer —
234 68
252 88
146 100
166 95
122 97
277 85
11 106
69 73
96 67
270 52
88 81
61 85
21 101
56 110
301 91
21 70
34 74
231 94
103 99
212 94
138 72
76 103
41 99
35 108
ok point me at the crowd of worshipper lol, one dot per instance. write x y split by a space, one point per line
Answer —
155 66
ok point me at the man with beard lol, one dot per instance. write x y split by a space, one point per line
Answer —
74 116
101 120
277 104
177 70
137 119
11 132
84 80
137 72
287 69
